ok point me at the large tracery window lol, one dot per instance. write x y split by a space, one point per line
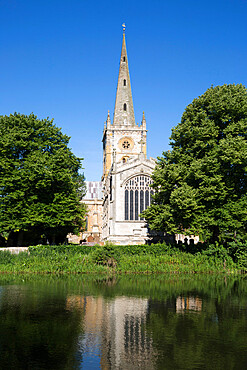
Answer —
137 194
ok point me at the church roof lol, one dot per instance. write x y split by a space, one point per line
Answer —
94 190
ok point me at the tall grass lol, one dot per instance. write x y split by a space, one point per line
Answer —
111 259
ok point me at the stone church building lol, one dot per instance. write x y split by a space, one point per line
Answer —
126 168
115 203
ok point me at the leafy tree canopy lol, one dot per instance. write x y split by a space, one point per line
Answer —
200 185
40 184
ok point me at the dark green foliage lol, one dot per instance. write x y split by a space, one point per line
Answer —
107 254
2 241
238 251
40 184
6 258
37 330
200 186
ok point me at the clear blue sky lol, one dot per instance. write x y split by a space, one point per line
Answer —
60 58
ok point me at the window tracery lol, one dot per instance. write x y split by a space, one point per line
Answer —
137 194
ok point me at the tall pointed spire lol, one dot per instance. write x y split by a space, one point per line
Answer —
124 109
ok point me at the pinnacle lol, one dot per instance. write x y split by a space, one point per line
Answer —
108 121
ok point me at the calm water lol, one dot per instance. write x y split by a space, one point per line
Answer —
155 322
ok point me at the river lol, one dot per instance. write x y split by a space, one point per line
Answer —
129 322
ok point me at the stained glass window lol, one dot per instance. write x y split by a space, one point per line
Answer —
131 205
137 196
126 205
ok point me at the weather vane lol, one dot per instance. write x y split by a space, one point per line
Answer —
124 26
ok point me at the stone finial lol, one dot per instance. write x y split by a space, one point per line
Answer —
143 120
124 26
108 121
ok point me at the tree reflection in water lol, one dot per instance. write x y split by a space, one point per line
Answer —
37 331
146 322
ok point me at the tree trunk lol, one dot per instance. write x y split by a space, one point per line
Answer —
12 239
20 238
53 239
215 236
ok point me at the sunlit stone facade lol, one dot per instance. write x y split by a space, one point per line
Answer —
93 229
126 169
93 201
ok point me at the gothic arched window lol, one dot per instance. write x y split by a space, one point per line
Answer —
137 193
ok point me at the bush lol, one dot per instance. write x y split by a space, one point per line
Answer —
6 257
106 255
238 251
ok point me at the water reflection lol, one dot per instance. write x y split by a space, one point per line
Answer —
37 332
193 304
115 330
123 323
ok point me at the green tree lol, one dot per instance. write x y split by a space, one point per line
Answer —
200 185
40 184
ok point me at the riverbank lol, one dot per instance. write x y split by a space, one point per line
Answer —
137 259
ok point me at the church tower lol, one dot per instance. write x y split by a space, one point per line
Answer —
126 169
123 139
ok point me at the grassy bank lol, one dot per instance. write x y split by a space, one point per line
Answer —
110 259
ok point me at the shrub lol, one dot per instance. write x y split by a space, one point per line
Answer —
6 257
238 250
107 254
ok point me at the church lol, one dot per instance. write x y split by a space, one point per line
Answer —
126 170
115 203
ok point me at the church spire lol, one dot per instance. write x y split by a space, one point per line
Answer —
124 110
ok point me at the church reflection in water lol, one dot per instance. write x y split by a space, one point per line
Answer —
115 330
191 304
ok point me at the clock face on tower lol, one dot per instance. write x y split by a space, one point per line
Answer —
126 143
